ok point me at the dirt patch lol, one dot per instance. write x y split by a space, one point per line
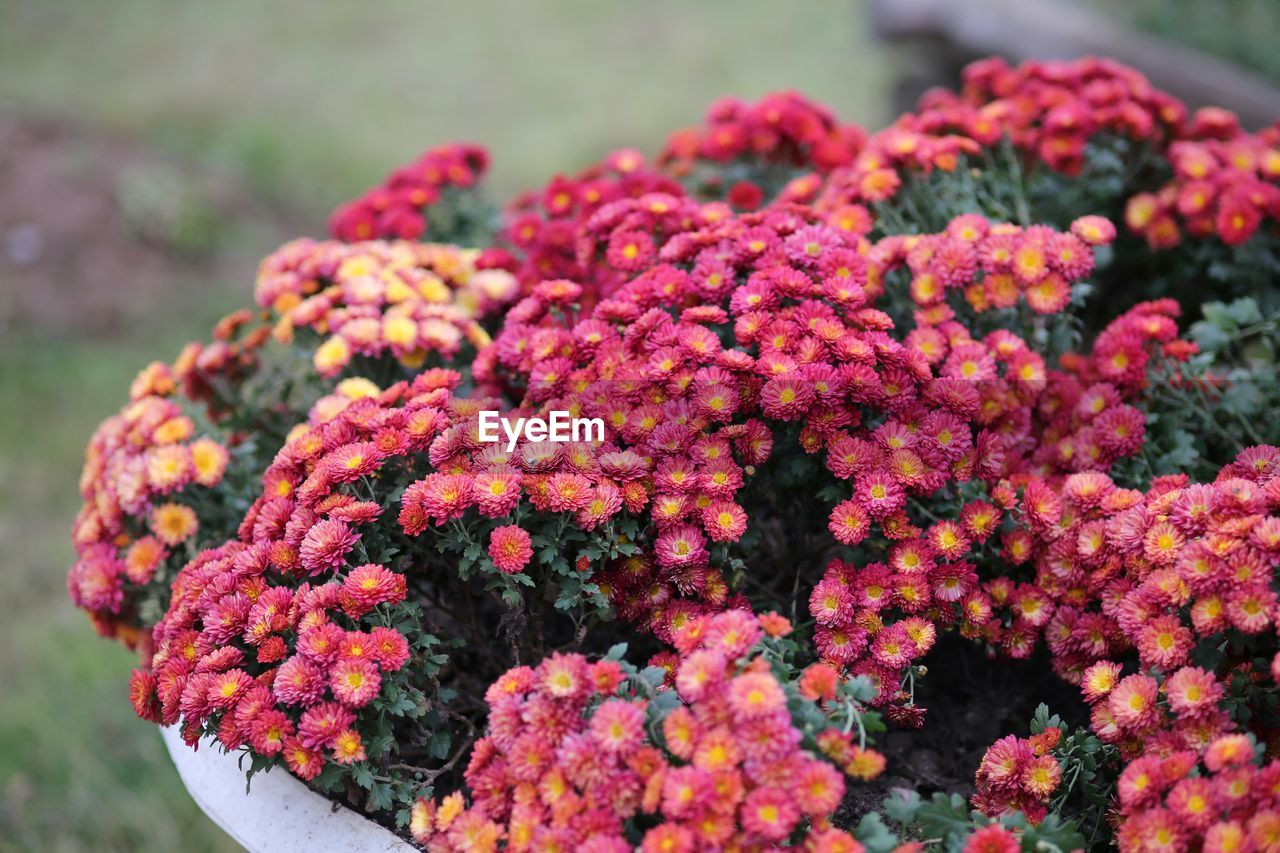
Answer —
971 702
97 230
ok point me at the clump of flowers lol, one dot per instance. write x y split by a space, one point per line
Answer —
1069 138
588 756
543 227
1224 187
758 150
1153 571
1221 799
159 479
1019 775
276 640
991 266
369 299
406 204
145 473
776 338
857 380
1047 111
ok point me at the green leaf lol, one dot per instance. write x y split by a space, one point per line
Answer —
379 797
1244 311
362 775
874 834
901 805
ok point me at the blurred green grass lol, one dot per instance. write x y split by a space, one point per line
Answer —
77 770
305 103
291 91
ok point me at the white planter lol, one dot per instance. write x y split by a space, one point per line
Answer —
279 814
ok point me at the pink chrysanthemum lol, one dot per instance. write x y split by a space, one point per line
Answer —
510 548
354 682
617 726
326 545
681 546
369 585
390 648
298 682
755 694
770 814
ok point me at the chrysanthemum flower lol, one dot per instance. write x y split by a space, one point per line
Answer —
992 838
669 838
831 603
143 558
144 696
864 764
819 681
1003 764
350 463
367 586
819 789
1164 642
1230 750
605 502
786 398
303 762
1133 701
326 545
226 688
733 633
775 624
698 672
1041 775
1099 680
840 646
168 468
354 682
446 496
348 747
686 791
390 648
173 523
724 521
1094 230
1193 801
510 548
564 676
769 814
209 460
755 694
356 645
680 731
321 643
617 726
1249 609
879 494
298 682
269 732
850 522
681 546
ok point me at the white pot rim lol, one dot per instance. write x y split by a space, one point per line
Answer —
279 813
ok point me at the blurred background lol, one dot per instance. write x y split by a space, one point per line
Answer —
151 153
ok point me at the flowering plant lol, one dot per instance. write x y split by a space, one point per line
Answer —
864 398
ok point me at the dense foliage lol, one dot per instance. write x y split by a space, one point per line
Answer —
860 391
